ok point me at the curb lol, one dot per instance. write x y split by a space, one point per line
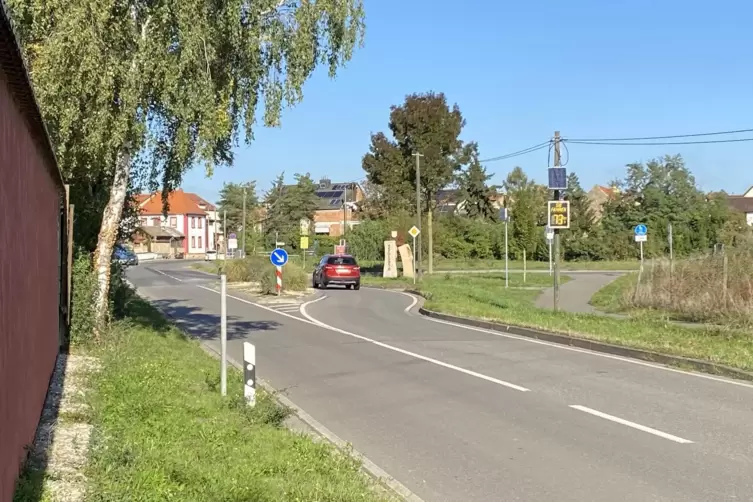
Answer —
584 343
379 475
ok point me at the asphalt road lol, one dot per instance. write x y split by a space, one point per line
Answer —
460 414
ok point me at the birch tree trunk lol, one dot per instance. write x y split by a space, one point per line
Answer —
108 233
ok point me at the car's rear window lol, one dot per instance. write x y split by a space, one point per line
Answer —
341 260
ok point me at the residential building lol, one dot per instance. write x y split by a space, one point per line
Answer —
744 204
449 201
214 220
337 207
184 215
597 197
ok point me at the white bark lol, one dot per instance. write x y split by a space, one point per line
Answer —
108 233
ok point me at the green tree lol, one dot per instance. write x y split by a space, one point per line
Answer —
423 124
523 199
162 86
231 203
287 205
474 191
582 241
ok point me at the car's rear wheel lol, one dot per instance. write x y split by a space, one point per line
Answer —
314 284
357 286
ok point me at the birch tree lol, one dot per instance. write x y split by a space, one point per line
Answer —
145 89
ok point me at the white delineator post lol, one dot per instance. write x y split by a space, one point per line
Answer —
279 279
223 334
249 373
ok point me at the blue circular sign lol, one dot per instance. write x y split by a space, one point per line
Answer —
641 229
278 257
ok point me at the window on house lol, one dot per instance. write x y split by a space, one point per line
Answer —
174 221
193 222
200 241
200 223
193 242
144 221
155 222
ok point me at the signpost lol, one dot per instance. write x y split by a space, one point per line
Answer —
223 335
279 257
232 241
414 231
304 246
641 236
549 234
504 215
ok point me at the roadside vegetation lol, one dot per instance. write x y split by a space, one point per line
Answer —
483 281
482 298
164 432
709 289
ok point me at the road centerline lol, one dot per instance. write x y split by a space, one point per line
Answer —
628 423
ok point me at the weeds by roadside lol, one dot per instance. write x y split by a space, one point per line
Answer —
163 432
712 289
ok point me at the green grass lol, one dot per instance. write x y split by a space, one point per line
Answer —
611 297
163 432
442 264
486 298
485 280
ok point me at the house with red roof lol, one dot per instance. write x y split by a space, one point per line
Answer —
744 204
187 222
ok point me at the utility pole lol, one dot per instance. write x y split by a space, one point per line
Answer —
419 253
345 210
224 231
244 222
556 230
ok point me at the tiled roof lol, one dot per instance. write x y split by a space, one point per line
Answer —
19 85
741 203
208 206
179 202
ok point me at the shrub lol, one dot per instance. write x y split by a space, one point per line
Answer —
711 288
246 270
294 278
83 286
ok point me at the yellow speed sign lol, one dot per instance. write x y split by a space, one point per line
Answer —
558 212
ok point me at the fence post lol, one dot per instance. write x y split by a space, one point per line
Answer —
525 267
249 373
725 272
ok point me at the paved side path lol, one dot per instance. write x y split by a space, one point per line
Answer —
576 294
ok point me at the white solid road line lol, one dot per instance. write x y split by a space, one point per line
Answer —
166 275
628 423
310 320
582 351
406 352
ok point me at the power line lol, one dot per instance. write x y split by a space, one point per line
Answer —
525 151
664 137
574 142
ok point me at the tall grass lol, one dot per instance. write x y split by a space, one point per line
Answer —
713 288
258 269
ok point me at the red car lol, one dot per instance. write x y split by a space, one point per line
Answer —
340 269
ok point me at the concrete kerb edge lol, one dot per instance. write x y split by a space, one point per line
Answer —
584 343
370 468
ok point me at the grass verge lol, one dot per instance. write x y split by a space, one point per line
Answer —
441 264
485 280
486 298
163 432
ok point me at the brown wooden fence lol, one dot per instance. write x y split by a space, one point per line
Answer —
33 261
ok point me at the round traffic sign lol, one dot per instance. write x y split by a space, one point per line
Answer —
641 229
278 257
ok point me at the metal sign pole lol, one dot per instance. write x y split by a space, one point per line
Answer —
641 256
415 265
223 334
507 271
550 257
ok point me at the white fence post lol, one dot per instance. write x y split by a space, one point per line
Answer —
223 334
249 373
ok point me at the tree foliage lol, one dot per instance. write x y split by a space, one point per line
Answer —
474 191
156 87
231 204
287 205
423 124
525 202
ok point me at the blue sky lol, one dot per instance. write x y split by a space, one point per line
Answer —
519 71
